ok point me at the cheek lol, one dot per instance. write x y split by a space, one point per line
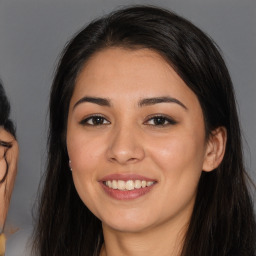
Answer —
84 155
84 152
2 168
179 157
179 162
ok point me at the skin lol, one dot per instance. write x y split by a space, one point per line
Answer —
129 141
6 187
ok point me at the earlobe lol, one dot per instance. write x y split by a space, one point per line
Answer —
215 149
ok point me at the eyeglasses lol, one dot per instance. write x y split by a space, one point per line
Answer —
5 144
5 147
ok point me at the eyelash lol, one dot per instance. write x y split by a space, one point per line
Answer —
94 118
164 121
162 118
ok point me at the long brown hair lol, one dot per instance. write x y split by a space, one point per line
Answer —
223 221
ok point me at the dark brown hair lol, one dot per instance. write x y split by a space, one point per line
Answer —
223 221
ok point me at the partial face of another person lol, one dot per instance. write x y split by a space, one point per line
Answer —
136 140
8 156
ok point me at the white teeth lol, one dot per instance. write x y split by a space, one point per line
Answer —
121 185
109 184
114 184
150 183
137 184
128 185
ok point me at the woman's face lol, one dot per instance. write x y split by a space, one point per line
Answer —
136 140
9 152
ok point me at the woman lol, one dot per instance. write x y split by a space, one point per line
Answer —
8 162
145 153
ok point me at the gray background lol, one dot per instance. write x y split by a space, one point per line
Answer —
32 34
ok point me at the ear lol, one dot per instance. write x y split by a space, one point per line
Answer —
215 149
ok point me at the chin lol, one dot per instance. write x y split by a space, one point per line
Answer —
130 223
126 227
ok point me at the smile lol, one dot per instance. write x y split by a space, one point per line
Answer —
128 185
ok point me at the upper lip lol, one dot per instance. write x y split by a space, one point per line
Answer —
125 177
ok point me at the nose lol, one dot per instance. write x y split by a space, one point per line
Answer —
126 146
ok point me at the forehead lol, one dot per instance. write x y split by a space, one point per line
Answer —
121 73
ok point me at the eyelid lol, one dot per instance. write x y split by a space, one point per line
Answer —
167 118
85 120
171 121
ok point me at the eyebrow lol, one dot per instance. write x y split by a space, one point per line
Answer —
144 102
153 101
95 100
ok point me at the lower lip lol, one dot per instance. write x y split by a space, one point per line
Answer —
126 194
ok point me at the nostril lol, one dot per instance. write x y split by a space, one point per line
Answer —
132 159
124 148
124 159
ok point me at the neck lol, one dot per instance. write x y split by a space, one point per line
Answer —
166 240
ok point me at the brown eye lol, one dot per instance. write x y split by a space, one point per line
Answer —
160 121
95 121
